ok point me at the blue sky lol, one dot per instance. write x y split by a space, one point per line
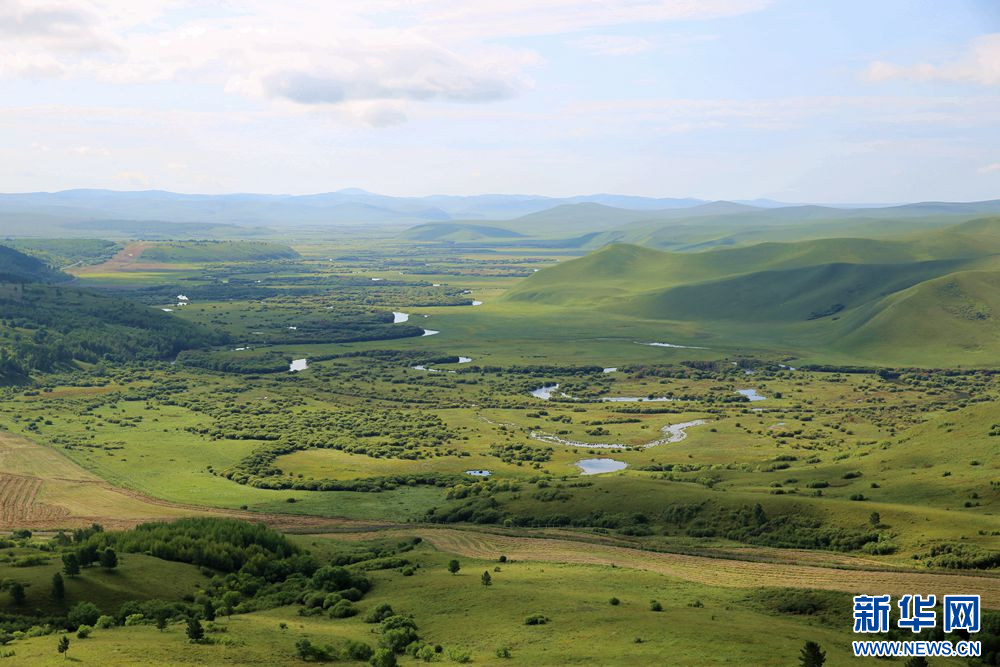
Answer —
798 100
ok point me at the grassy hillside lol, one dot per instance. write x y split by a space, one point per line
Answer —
47 326
17 267
66 252
961 308
792 295
583 591
850 295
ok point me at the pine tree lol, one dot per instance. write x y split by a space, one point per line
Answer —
487 579
71 564
811 655
109 559
58 587
63 645
454 566
16 589
195 632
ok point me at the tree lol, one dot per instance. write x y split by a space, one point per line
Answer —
229 600
207 607
875 519
63 645
487 579
84 613
58 587
161 622
16 589
811 655
195 632
454 566
87 554
109 559
917 661
71 565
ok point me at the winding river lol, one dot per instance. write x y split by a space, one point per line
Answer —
672 432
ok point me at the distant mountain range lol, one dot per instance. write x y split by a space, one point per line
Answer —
350 206
161 214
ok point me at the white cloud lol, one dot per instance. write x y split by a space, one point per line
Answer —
91 151
310 54
487 19
989 168
56 27
614 45
980 64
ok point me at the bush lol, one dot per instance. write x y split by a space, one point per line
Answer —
458 655
306 651
654 605
536 619
379 613
383 657
83 613
352 594
426 653
343 609
881 548
104 622
357 650
614 602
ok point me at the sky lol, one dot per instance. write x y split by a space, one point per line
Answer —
832 101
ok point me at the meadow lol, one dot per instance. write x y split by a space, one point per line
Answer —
751 463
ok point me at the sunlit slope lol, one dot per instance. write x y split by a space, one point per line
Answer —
623 270
793 295
855 297
951 319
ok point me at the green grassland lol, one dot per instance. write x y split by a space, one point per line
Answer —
215 251
137 577
870 471
464 617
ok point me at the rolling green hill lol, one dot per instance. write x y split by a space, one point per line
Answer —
958 312
45 326
912 298
721 224
16 267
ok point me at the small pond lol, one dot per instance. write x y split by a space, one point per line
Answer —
599 466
